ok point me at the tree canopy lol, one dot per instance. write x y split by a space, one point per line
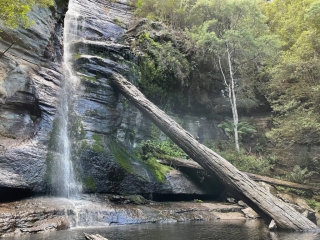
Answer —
15 12
274 51
293 86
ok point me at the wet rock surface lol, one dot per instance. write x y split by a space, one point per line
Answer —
104 127
29 83
47 214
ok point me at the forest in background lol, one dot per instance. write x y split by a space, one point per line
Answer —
273 50
276 51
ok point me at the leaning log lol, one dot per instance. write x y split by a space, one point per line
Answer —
264 203
180 163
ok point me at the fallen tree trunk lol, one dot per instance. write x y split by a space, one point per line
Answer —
264 203
255 177
282 183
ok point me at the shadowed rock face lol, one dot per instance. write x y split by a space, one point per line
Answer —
29 83
104 127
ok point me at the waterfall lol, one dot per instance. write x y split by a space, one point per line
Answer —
85 21
63 179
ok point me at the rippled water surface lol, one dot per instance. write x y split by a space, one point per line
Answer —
218 230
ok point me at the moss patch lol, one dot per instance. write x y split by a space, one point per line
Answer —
77 56
98 145
126 159
160 171
88 78
119 23
121 156
52 147
89 184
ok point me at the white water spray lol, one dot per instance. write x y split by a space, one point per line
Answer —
63 179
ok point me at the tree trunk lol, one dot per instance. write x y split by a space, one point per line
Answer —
232 97
263 202
233 100
182 163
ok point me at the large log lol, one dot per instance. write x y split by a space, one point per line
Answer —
264 203
181 163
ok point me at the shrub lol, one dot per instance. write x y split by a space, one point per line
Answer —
164 149
250 163
299 175
244 129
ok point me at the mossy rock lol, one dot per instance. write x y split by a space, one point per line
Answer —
135 199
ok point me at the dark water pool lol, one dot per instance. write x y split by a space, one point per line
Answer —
218 230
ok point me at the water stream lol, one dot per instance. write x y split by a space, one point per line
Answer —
63 179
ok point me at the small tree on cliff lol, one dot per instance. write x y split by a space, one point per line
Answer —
14 13
236 40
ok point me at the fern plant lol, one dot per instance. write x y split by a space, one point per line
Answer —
244 128
300 175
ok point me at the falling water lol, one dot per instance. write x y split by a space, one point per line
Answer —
64 183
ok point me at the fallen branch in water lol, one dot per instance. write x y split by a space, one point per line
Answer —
94 237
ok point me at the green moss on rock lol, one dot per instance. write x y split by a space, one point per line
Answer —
160 171
98 145
121 156
89 184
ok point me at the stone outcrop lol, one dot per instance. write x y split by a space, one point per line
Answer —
30 80
43 214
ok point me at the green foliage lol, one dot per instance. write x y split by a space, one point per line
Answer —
293 90
244 129
159 170
305 194
274 48
286 19
148 151
163 70
235 36
130 162
98 145
77 56
121 156
155 132
119 23
313 203
14 13
164 150
89 184
250 163
300 175
247 162
173 12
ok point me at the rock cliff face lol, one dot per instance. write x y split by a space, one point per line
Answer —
29 84
104 127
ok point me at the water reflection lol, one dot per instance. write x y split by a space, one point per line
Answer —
217 230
